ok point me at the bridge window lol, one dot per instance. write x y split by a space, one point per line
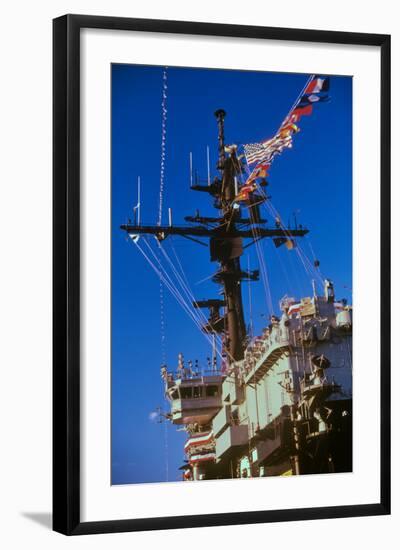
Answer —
211 391
186 393
197 391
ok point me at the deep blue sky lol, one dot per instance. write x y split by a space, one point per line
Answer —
313 178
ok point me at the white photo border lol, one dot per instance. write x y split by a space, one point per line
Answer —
99 500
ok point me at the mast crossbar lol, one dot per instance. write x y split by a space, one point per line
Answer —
162 231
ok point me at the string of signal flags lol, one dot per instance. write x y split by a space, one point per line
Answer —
259 156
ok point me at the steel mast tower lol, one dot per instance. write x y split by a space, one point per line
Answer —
225 234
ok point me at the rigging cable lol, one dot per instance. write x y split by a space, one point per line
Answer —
311 77
160 209
250 302
263 267
261 260
201 314
171 286
167 281
284 270
162 310
163 141
159 221
309 268
183 283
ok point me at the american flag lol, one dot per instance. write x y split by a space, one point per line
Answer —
256 152
265 151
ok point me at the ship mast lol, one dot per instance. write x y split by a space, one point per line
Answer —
230 270
225 233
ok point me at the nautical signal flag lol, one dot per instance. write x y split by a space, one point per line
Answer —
312 98
245 191
279 241
288 242
288 129
317 84
298 112
261 170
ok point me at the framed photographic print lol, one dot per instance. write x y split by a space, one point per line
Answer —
221 274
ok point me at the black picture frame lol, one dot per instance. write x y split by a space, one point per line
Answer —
66 273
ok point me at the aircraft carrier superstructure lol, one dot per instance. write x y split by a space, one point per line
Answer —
279 403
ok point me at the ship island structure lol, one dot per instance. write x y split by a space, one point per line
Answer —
280 402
